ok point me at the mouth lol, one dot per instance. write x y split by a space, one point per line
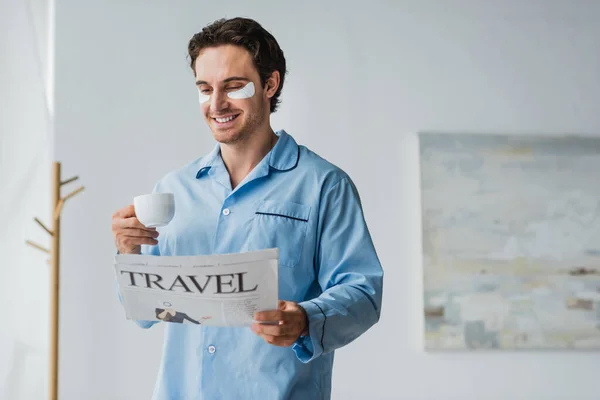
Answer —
225 120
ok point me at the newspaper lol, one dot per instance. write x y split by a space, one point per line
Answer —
216 290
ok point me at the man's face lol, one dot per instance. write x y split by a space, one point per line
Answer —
222 77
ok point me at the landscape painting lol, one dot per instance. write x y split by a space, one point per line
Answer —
511 241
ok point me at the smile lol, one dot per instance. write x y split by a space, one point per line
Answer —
226 119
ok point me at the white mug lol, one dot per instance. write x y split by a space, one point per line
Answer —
154 209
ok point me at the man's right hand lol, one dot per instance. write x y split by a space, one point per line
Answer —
129 232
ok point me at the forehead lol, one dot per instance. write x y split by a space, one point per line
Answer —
215 64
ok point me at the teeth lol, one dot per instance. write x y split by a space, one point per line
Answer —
223 120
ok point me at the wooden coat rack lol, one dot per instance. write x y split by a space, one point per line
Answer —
57 206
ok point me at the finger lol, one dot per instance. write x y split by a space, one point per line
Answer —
272 315
136 232
125 212
126 218
133 222
273 330
136 240
120 227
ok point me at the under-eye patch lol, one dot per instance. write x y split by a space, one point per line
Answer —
243 93
202 98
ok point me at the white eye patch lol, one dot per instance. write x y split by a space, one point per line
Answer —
203 98
244 93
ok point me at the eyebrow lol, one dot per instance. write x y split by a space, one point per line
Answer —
232 78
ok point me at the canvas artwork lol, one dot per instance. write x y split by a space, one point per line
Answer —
511 241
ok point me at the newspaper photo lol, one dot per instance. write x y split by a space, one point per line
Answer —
216 290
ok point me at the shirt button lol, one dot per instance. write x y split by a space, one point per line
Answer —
212 349
226 211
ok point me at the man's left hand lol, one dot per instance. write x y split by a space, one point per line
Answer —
286 324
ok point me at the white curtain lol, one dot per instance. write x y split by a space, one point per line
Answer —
25 155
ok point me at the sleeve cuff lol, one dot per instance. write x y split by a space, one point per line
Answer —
307 348
144 324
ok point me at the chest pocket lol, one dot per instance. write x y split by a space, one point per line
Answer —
282 225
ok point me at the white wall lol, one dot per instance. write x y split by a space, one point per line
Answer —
362 80
24 194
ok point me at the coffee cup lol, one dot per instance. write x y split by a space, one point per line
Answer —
154 209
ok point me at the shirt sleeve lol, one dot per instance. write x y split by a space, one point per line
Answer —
349 274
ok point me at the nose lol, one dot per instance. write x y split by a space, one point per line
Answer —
218 101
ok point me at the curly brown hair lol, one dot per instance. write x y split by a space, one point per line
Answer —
250 35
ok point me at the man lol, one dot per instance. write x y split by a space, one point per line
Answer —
258 189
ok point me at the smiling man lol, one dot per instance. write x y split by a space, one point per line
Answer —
259 189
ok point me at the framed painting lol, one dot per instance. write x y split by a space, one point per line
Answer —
511 241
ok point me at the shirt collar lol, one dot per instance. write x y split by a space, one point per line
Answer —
283 157
208 161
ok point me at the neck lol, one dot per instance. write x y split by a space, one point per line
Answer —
240 158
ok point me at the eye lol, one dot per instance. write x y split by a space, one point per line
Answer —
205 91
237 87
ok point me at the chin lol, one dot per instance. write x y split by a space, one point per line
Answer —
233 134
229 136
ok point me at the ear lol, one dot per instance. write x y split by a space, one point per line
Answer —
272 84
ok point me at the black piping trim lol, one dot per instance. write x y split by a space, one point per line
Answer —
281 215
323 333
